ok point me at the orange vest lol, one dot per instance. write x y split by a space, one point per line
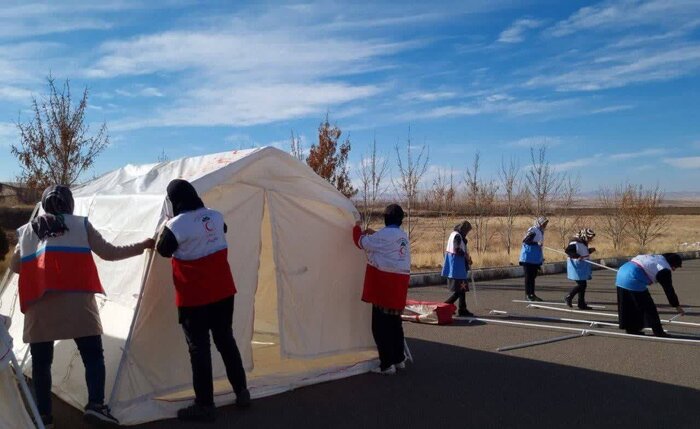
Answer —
56 264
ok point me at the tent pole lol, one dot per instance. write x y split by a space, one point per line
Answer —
587 260
125 351
590 331
539 342
598 307
25 391
476 300
407 351
664 321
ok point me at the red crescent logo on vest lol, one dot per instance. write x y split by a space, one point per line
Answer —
207 226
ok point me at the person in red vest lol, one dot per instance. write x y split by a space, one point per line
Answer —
58 281
386 286
204 294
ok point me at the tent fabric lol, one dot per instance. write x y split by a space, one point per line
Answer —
298 316
12 411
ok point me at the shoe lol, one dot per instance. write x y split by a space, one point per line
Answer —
661 334
567 300
197 413
402 364
389 371
584 306
534 298
99 414
633 332
465 313
243 399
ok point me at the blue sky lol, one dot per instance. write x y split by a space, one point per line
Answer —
612 87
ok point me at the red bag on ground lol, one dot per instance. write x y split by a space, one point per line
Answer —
434 313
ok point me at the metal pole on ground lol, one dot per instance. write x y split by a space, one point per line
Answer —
598 307
665 321
539 342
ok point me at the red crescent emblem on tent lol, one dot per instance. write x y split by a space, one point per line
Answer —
207 226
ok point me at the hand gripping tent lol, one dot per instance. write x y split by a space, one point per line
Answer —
298 317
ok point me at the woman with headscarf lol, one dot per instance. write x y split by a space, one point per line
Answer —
456 266
532 256
58 281
195 238
386 286
578 268
635 306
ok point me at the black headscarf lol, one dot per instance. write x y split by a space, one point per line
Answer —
393 215
183 197
673 259
56 201
463 228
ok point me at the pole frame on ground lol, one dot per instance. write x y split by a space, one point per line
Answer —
599 307
583 333
594 313
589 331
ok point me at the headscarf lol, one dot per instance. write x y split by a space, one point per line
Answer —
463 228
673 259
585 235
183 197
541 220
56 201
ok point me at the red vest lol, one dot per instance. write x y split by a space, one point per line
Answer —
201 272
56 264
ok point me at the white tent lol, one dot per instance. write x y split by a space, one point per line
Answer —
298 317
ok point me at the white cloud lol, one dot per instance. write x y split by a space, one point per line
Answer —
627 13
611 109
516 32
147 91
637 154
571 165
428 96
535 141
689 162
8 134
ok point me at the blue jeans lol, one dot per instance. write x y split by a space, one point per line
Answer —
93 359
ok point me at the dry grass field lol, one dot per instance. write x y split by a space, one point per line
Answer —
683 233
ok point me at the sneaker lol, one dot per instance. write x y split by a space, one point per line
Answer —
465 313
99 414
568 300
389 371
633 332
534 298
197 413
402 364
584 306
243 399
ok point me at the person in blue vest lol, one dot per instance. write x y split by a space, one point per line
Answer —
532 256
578 268
456 267
636 308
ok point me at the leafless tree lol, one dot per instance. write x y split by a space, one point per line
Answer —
297 151
443 194
647 220
373 171
411 172
55 147
513 199
615 205
543 182
568 216
163 157
481 199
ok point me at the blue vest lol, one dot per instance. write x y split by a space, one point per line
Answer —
632 277
455 267
532 254
578 270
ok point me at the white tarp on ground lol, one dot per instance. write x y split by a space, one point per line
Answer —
12 412
298 316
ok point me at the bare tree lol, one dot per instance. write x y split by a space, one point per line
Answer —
615 219
163 157
443 194
569 216
543 182
481 199
513 199
411 172
297 151
55 146
373 171
646 218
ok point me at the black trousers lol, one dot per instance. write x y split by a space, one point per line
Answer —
458 293
91 352
216 317
579 289
530 275
637 310
387 330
